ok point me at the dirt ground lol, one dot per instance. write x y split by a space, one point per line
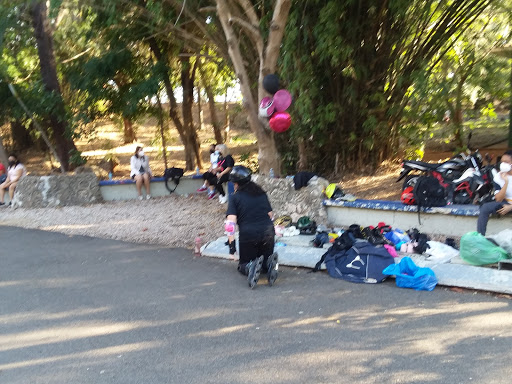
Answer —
107 139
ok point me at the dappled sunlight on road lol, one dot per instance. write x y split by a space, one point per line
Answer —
91 356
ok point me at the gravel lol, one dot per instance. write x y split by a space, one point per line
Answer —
173 221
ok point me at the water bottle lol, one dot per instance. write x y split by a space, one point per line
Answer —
271 173
197 171
110 175
197 247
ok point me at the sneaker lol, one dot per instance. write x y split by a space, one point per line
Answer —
272 266
140 197
202 189
223 199
148 197
2 204
211 195
254 268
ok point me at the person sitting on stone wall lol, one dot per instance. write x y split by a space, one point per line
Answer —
3 175
503 197
15 172
141 172
219 175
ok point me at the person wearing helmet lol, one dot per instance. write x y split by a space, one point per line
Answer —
250 209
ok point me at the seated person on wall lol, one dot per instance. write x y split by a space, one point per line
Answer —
214 157
3 175
140 172
220 174
15 172
503 197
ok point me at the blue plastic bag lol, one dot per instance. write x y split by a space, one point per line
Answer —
397 236
409 275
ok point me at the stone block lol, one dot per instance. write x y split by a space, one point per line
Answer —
57 191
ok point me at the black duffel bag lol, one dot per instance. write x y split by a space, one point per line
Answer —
173 174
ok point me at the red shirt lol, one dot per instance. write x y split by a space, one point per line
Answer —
2 169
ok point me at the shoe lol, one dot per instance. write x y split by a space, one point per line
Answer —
2 204
140 197
202 189
254 270
211 195
272 266
148 197
223 199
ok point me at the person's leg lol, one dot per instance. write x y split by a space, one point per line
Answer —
221 181
138 184
2 193
12 187
146 180
485 211
247 252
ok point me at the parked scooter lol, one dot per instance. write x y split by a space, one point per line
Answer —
463 176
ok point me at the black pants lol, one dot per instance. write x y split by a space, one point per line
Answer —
250 250
215 182
486 210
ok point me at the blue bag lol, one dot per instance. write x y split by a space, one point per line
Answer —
409 275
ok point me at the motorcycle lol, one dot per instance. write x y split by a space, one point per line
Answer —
464 177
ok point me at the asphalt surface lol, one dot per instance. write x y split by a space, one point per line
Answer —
83 310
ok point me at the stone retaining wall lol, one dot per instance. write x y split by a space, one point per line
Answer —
285 200
57 191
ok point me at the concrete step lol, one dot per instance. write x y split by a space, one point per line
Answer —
295 251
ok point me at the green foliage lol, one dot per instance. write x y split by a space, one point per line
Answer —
76 159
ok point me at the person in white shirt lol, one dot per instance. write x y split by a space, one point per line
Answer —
503 197
214 158
141 172
15 172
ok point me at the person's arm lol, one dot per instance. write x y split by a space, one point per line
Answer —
231 222
133 170
500 196
227 170
271 215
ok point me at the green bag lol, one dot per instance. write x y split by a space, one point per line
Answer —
477 250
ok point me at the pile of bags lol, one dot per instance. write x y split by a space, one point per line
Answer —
477 249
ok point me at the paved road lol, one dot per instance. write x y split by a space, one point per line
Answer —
83 310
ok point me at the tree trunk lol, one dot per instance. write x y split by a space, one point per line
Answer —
162 131
129 132
3 154
217 130
20 136
268 155
173 106
192 147
457 116
213 111
303 159
64 143
199 109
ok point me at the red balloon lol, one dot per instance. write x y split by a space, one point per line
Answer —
280 121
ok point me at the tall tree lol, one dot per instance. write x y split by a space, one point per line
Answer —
240 20
48 68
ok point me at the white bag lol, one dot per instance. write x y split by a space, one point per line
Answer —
440 252
504 240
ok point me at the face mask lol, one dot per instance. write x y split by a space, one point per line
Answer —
12 163
217 152
505 167
141 153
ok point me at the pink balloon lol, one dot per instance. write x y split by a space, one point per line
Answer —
280 122
282 100
267 107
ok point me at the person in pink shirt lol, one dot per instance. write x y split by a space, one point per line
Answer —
15 172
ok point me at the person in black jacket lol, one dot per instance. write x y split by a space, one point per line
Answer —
250 209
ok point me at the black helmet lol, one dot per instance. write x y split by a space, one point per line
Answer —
240 174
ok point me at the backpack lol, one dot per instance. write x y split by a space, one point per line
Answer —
428 192
362 263
173 174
